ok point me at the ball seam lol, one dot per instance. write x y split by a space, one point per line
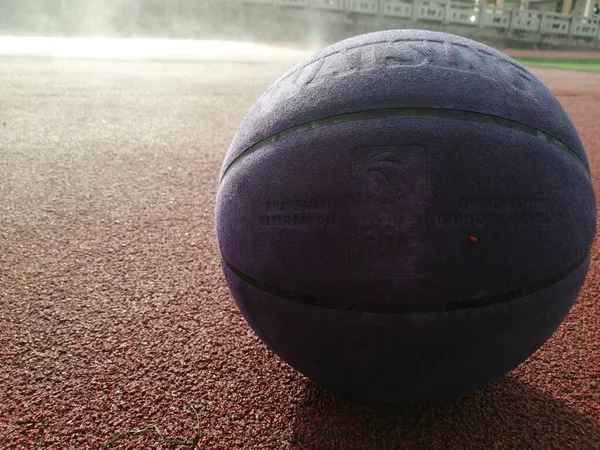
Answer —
453 114
422 308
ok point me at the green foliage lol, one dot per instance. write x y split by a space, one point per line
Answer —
588 65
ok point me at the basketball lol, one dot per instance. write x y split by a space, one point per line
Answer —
405 216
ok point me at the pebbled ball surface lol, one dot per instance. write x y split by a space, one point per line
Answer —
422 185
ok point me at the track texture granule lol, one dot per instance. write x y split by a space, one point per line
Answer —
114 313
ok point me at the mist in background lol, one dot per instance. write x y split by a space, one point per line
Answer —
170 19
256 21
109 18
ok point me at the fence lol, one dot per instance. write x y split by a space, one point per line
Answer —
461 13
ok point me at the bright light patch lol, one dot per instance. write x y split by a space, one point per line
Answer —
108 48
473 18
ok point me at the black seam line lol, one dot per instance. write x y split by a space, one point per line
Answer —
408 112
409 308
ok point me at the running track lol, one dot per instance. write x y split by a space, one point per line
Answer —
113 310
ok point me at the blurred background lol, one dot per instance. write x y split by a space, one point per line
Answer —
559 24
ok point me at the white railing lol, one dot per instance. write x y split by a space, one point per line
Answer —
296 3
554 23
362 6
497 17
585 27
397 9
526 20
462 13
332 5
433 12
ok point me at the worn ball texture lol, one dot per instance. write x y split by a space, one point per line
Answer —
405 216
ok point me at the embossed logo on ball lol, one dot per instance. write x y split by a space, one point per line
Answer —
389 232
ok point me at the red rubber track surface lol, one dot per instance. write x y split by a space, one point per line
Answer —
114 313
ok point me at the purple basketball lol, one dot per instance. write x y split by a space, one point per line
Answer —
405 216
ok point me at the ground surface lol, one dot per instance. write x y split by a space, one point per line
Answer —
113 310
